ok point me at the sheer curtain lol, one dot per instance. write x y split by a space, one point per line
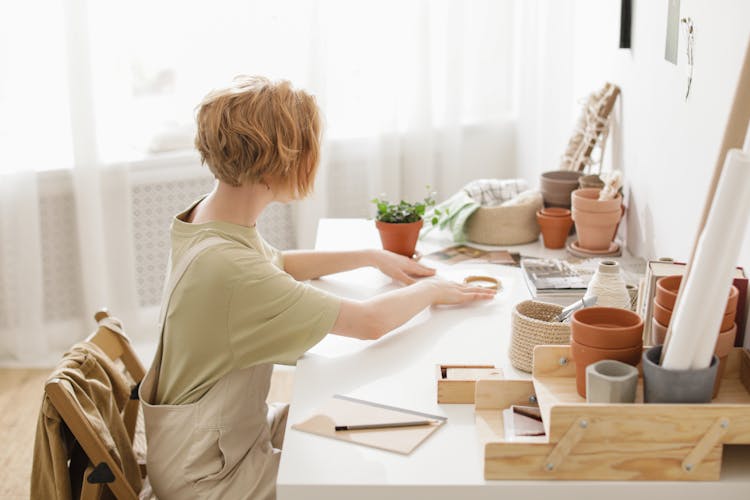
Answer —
413 93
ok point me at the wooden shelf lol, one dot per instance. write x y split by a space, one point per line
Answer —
612 441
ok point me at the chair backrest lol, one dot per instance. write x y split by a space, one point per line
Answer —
102 469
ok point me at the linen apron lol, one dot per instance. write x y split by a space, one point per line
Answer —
225 445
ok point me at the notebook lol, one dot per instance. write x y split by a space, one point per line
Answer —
344 410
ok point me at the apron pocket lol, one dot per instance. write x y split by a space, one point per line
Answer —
204 460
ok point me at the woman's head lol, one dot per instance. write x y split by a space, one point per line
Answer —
259 131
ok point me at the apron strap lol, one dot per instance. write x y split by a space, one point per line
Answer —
173 279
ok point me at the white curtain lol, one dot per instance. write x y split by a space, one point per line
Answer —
414 93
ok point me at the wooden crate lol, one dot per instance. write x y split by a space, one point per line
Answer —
456 384
611 441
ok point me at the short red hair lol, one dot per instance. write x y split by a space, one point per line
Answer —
257 130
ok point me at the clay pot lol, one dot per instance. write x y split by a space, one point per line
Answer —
666 290
555 212
662 314
607 327
668 286
555 229
556 187
584 356
591 181
724 345
728 320
400 238
595 229
734 295
658 332
588 200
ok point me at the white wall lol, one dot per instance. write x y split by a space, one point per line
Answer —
666 147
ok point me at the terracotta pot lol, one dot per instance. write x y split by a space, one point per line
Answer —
555 212
584 356
607 327
668 286
556 187
554 229
662 314
734 295
658 332
728 320
588 200
591 181
595 230
724 345
399 238
666 290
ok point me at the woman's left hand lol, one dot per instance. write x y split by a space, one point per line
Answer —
400 268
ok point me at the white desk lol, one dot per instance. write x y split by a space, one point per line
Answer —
399 370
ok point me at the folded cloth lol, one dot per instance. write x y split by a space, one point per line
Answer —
456 210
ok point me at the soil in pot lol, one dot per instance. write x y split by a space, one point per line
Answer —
400 238
584 356
555 229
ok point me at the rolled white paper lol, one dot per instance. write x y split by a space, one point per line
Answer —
697 319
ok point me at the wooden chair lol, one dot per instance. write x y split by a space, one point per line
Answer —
101 469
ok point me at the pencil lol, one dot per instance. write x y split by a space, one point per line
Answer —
361 427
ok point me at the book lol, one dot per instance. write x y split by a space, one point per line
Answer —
656 269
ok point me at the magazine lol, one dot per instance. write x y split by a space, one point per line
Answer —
461 253
555 277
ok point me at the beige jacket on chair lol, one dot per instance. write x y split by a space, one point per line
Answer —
102 392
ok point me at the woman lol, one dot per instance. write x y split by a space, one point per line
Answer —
234 305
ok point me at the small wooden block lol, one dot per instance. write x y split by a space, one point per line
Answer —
456 383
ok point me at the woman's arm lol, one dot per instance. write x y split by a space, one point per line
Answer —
304 265
373 318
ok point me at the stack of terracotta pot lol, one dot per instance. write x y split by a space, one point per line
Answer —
604 333
596 220
556 186
555 224
664 301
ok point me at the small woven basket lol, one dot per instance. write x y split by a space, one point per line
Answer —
533 326
509 225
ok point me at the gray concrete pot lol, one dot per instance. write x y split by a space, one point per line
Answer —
676 386
610 381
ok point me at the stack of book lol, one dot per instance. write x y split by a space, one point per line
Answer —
656 269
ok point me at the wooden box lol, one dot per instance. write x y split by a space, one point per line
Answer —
611 441
456 383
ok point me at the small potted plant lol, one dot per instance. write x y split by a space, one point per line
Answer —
399 223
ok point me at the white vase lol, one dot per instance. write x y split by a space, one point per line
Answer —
609 286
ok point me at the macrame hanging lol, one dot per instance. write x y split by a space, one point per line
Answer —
591 131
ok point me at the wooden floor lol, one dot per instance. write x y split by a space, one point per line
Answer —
20 397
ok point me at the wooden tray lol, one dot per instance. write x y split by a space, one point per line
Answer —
611 441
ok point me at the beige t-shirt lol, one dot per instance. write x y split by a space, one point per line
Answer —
235 307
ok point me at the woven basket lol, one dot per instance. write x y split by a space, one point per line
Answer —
511 225
532 326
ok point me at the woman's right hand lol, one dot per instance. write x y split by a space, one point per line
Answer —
450 293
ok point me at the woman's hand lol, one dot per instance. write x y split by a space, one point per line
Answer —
400 268
450 293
